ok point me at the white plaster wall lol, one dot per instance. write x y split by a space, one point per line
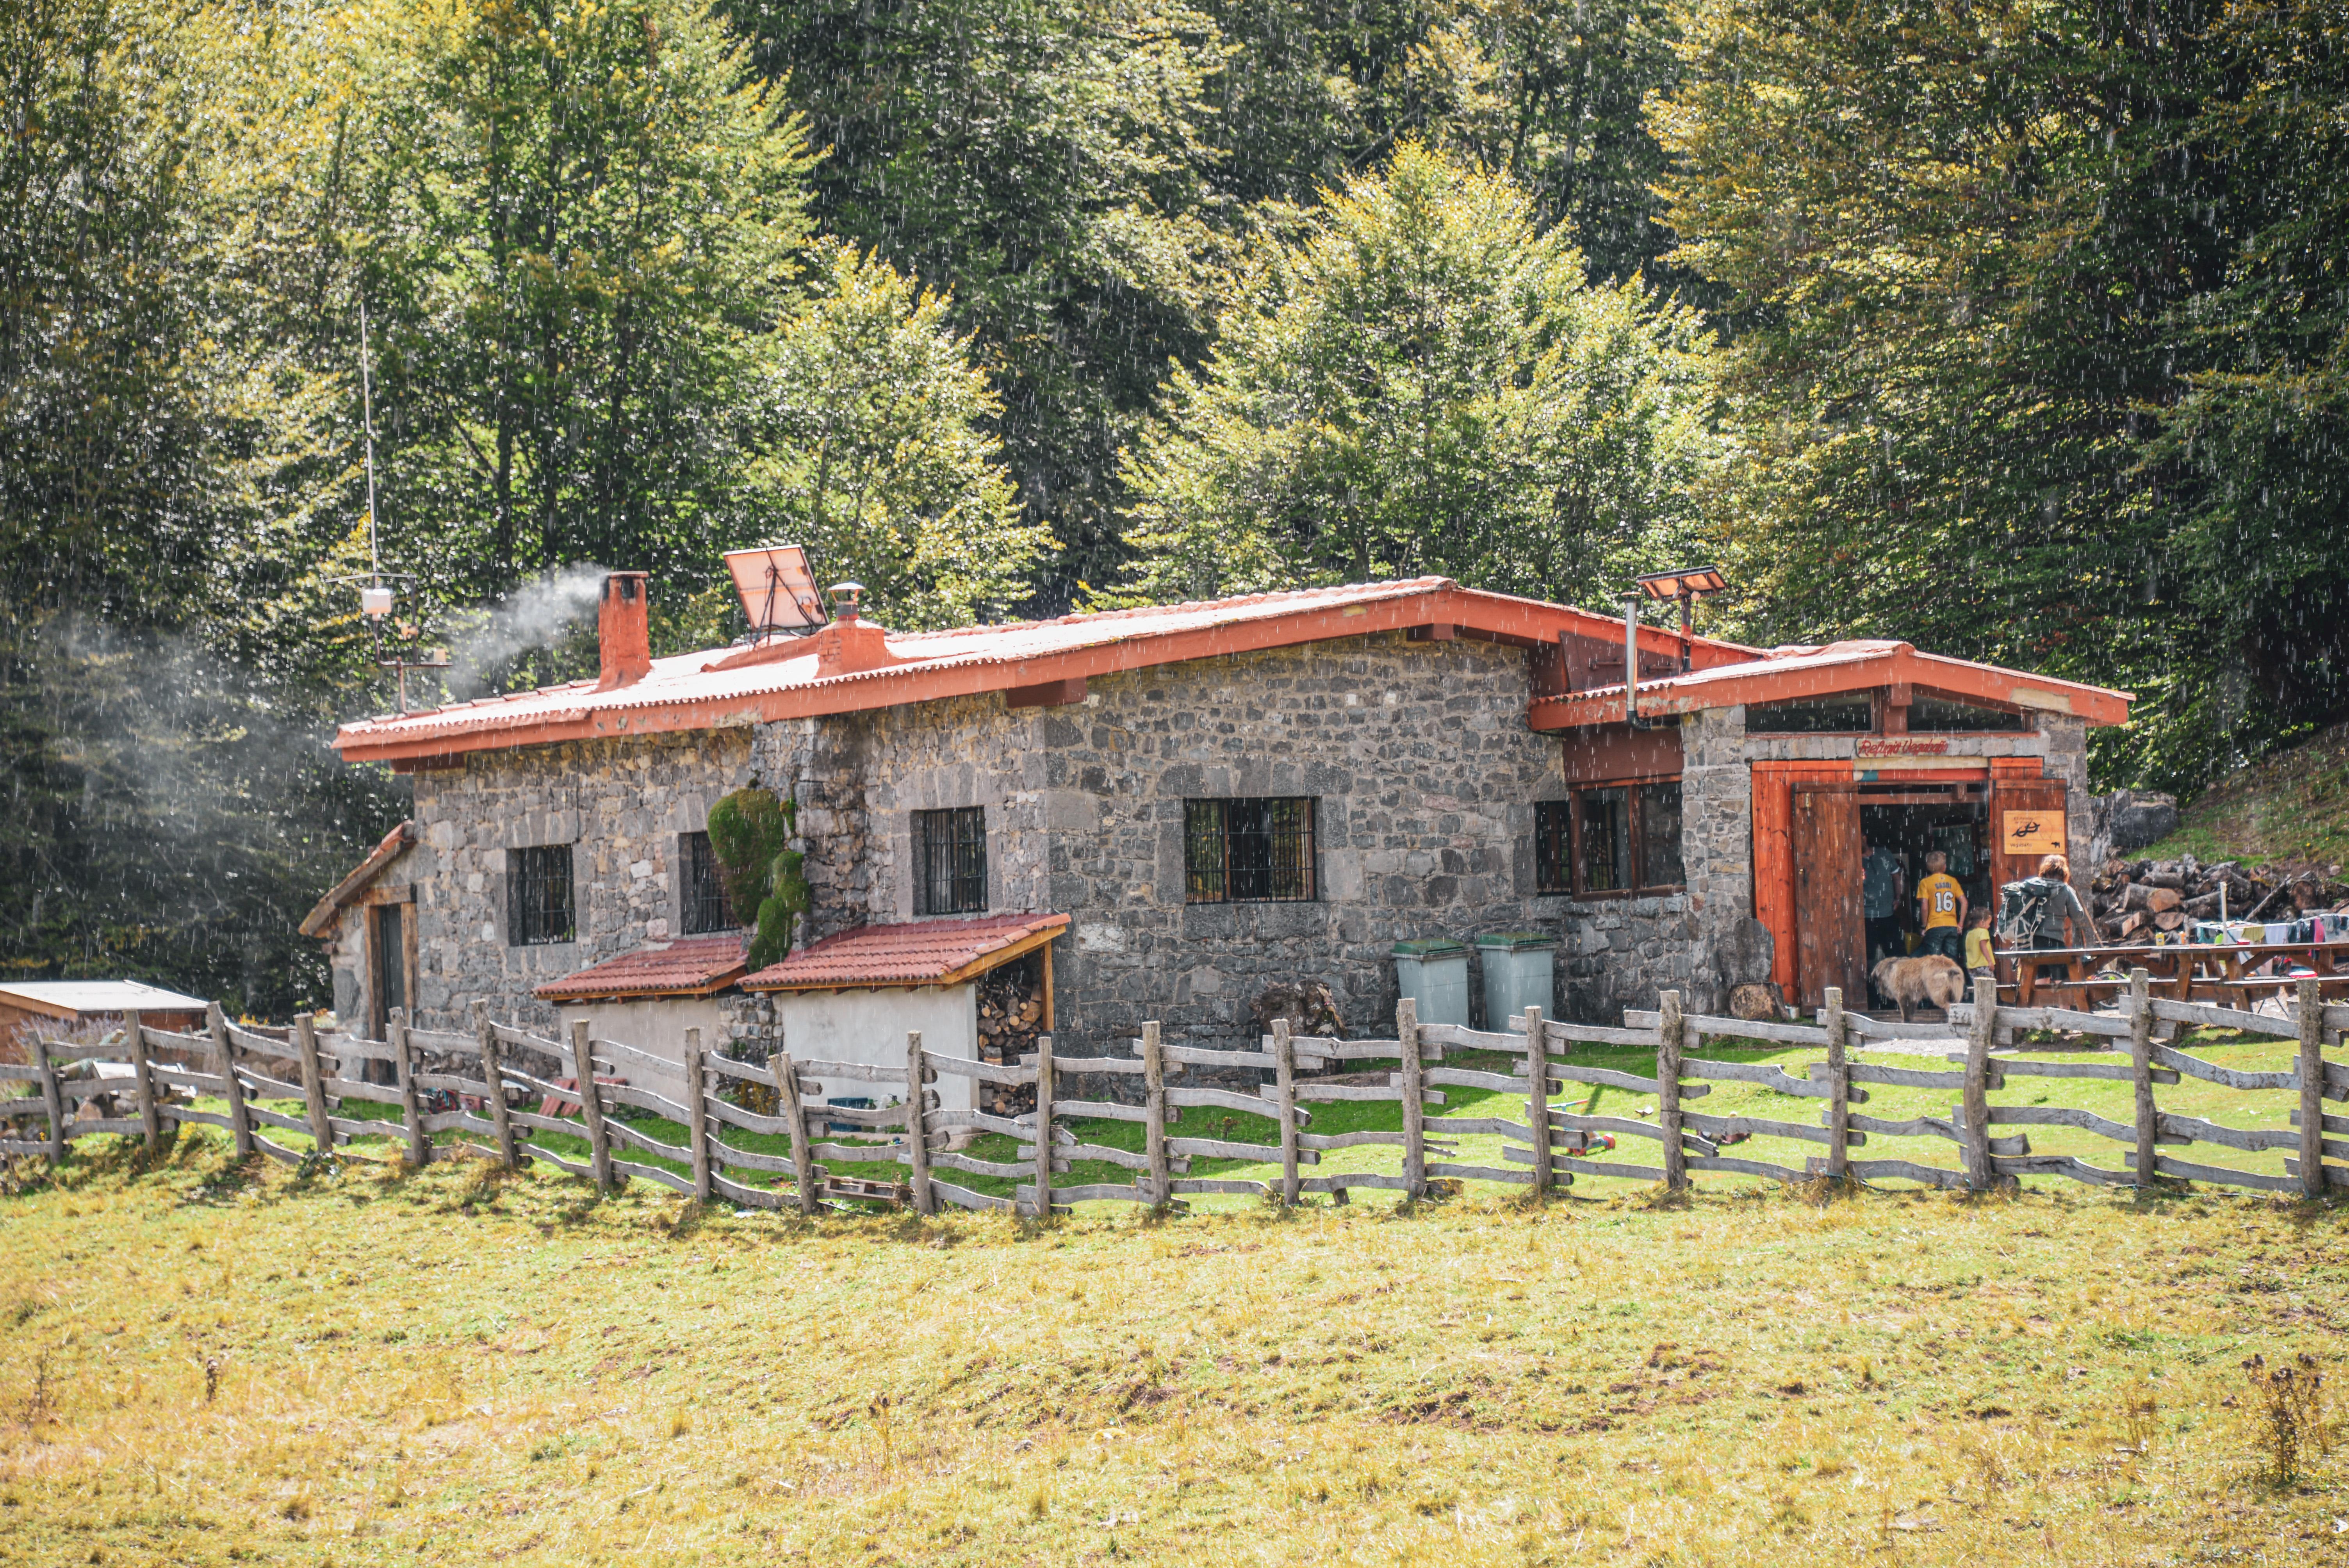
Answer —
656 1025
869 1026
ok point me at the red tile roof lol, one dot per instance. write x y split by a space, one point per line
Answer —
783 679
926 953
694 966
1822 671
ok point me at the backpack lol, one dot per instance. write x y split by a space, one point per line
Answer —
2023 910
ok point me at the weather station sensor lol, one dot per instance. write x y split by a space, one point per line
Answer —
778 590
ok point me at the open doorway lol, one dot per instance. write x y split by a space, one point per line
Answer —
1922 820
1832 824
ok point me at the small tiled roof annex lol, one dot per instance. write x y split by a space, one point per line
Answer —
923 952
693 967
726 687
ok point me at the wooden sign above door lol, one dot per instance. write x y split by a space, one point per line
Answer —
2032 833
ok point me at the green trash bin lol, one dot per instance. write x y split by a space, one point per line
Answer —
1518 970
1435 973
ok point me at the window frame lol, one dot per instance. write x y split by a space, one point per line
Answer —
520 932
964 877
693 895
1571 804
1305 840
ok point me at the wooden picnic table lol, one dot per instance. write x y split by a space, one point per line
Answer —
2181 971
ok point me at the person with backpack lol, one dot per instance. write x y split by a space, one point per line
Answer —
2042 912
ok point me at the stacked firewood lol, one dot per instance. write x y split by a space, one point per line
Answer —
2132 900
1010 1017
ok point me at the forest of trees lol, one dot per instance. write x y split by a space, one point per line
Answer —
2018 328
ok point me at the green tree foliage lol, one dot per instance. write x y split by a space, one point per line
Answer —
578 225
1424 381
877 457
2005 276
1042 160
751 834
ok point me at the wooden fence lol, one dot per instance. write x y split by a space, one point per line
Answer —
244 1068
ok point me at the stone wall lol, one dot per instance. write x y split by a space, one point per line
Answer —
621 804
1425 776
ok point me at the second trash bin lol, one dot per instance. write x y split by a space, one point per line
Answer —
1518 970
1435 973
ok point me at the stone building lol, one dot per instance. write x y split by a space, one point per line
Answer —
1218 797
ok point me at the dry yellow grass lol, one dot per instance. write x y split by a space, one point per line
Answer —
453 1367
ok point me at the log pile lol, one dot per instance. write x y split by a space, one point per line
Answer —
2133 900
1010 1017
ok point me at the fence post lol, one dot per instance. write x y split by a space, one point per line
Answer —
1414 1114
1043 1127
314 1083
1671 1034
1976 1107
1284 1070
493 1076
53 1099
1153 1115
787 1094
1838 1086
403 1075
697 1114
918 1134
591 1108
240 1124
1538 1097
2311 1088
142 1072
2149 1116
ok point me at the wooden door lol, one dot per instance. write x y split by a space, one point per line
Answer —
1774 856
2026 823
1830 937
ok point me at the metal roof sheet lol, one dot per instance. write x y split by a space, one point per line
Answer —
923 952
732 686
691 967
89 996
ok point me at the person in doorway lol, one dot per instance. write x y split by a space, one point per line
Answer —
1940 908
1880 876
1982 959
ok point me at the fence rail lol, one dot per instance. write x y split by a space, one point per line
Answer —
244 1067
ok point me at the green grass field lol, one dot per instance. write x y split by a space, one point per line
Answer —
208 1364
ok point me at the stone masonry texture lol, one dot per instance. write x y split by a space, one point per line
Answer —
1416 754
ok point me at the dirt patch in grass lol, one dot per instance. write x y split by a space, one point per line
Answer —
398 1374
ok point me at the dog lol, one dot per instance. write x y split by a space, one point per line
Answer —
1910 981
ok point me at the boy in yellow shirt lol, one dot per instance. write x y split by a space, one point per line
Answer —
1940 908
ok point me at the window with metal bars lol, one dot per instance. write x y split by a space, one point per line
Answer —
1611 839
950 861
539 907
1249 851
704 906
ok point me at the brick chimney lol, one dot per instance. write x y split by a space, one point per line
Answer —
622 629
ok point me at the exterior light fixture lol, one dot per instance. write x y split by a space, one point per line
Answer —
1682 585
777 587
